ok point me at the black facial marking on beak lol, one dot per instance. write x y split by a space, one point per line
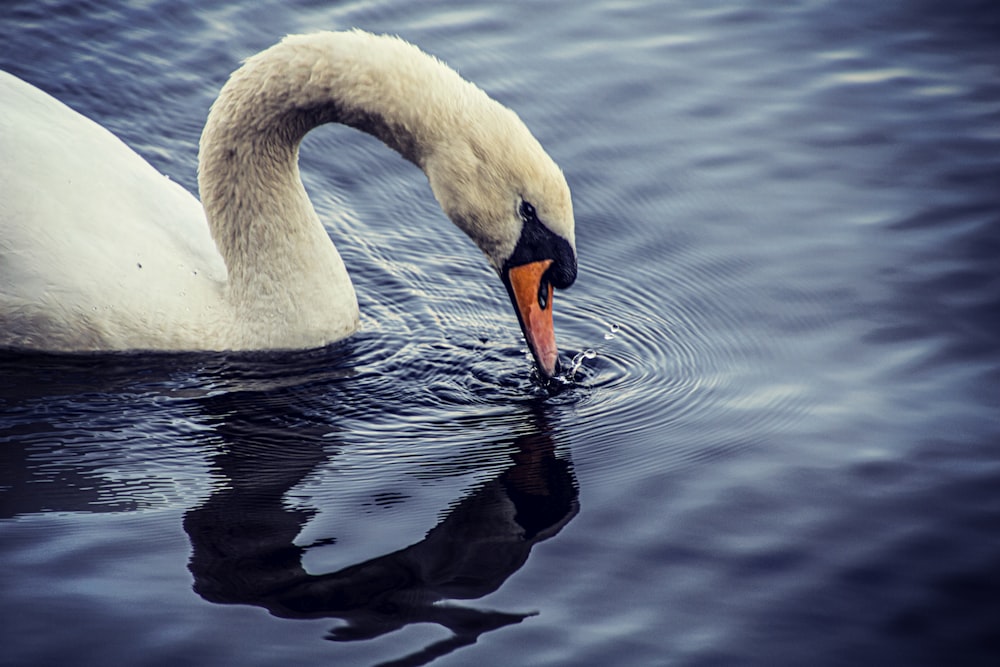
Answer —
536 243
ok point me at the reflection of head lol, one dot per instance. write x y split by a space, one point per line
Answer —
243 545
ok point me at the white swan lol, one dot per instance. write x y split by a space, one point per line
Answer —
98 251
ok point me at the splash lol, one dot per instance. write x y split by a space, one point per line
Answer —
588 354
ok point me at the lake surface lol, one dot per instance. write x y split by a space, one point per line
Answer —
788 453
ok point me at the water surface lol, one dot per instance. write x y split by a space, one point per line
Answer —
787 454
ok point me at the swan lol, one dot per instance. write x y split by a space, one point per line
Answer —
100 252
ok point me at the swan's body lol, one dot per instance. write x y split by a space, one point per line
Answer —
98 251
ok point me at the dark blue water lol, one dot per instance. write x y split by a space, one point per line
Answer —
788 454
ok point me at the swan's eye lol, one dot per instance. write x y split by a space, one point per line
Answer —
527 212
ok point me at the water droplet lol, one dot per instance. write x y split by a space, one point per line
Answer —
612 330
589 353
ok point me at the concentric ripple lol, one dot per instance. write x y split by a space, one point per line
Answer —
673 364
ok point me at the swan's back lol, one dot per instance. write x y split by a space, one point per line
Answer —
98 250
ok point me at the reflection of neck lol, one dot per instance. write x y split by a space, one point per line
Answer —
243 549
537 486
243 535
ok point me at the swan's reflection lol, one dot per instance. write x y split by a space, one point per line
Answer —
244 552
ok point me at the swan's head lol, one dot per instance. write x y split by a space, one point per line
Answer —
497 184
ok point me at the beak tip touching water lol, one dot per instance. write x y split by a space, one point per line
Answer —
548 365
533 303
544 350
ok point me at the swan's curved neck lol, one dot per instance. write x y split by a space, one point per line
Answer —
249 148
478 156
277 253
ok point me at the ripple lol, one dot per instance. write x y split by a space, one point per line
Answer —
680 368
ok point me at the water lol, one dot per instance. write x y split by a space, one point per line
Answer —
786 453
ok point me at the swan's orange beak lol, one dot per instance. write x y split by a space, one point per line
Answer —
533 303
